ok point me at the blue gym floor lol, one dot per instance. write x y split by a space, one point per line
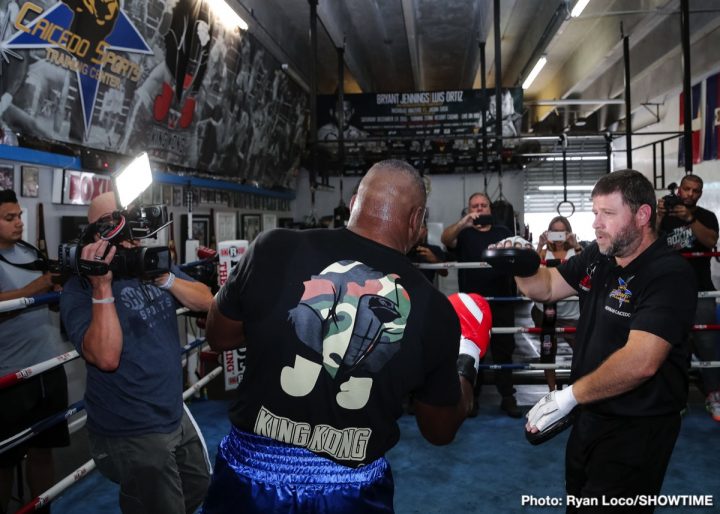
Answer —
488 468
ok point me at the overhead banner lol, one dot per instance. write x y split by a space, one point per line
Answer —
436 130
170 78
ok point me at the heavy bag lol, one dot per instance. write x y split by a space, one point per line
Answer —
504 214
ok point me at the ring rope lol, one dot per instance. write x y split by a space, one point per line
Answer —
41 367
535 366
572 330
36 369
23 302
36 428
84 470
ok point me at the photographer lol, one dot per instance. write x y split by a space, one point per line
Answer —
126 330
470 236
686 227
557 243
28 337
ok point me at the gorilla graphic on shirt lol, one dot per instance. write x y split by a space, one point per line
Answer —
354 318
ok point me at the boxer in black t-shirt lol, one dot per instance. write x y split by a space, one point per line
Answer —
339 328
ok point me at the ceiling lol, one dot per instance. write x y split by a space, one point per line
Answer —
427 45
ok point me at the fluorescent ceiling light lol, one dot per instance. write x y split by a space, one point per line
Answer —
579 7
227 14
569 188
534 73
578 158
133 180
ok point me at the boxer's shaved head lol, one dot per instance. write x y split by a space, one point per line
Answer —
390 205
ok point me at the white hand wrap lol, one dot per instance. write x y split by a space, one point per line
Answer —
513 242
551 408
469 348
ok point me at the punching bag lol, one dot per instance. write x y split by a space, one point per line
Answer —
504 214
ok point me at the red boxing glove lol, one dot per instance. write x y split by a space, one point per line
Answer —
475 324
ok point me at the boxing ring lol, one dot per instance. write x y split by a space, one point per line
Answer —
77 408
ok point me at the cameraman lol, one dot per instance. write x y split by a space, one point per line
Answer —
127 332
689 228
28 337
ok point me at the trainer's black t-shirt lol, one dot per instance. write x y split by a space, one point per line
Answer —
339 329
655 293
679 236
485 281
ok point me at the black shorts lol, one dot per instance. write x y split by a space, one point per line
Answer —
29 402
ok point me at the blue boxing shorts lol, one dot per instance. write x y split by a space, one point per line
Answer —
258 474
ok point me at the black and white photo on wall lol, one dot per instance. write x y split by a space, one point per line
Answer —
226 226
250 226
200 229
30 181
177 198
7 177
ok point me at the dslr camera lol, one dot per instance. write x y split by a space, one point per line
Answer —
671 200
138 222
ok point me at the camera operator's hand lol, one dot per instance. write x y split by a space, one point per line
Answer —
98 251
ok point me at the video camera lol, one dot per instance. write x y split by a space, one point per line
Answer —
671 200
137 222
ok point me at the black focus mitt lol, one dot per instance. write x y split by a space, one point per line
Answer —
521 262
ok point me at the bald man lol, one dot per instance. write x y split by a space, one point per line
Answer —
339 327
141 437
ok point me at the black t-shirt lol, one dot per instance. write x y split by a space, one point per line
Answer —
339 330
485 281
679 236
655 293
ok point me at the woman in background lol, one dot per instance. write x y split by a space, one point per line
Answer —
557 243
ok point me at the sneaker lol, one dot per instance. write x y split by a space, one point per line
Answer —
712 404
509 405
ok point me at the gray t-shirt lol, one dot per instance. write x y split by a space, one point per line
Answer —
29 337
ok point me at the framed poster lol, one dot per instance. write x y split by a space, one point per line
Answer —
7 177
167 194
250 226
30 181
269 222
226 226
200 229
177 198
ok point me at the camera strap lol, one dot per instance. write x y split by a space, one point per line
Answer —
39 264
